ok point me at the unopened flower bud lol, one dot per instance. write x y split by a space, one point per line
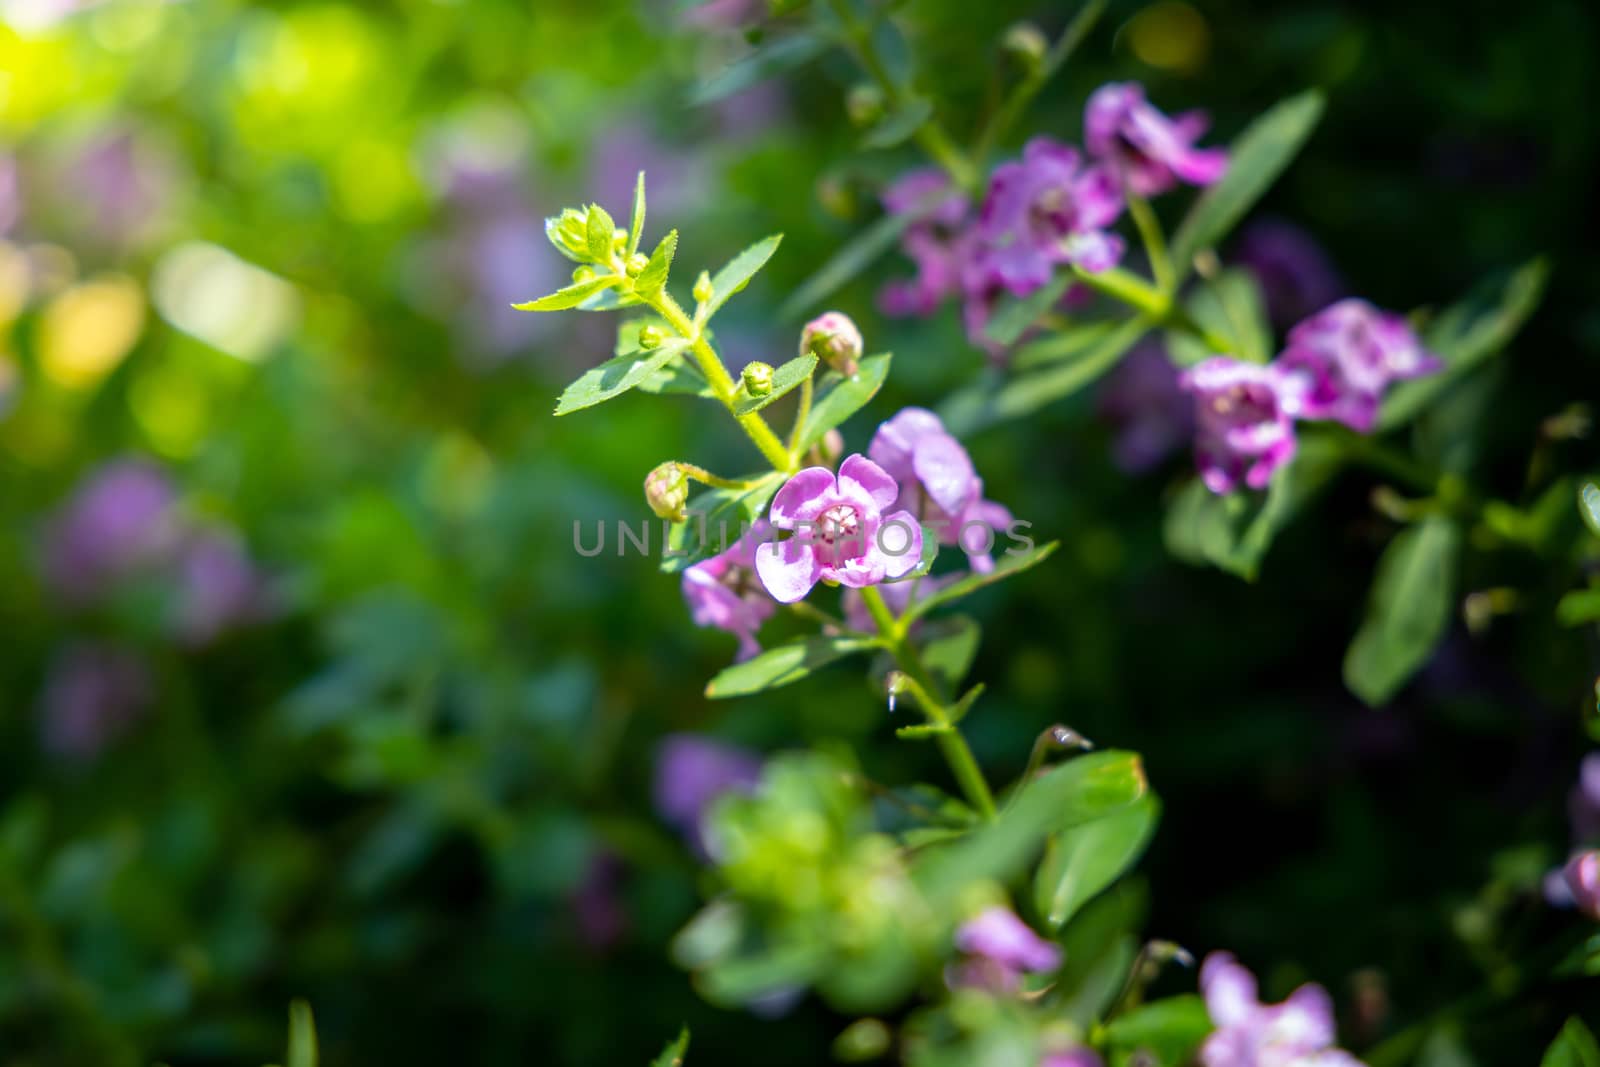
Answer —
636 263
569 232
1027 43
864 104
835 340
666 490
757 378
703 290
831 447
582 274
651 337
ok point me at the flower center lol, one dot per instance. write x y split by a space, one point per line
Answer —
838 534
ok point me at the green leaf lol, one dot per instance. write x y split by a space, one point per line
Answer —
1099 947
1407 611
636 226
948 647
1573 1047
1078 791
1465 334
895 127
1172 1029
1080 862
856 256
1060 345
599 234
1013 318
654 275
1255 159
739 270
737 981
1231 307
1010 563
838 397
570 297
1234 532
717 517
302 1036
672 1055
784 380
616 376
680 376
1589 506
766 62
1444 1048
784 665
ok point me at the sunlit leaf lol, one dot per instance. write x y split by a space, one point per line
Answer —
1081 862
838 397
1574 1047
1170 1029
1407 611
784 665
616 376
1059 346
1024 394
739 270
570 297
1010 563
636 226
599 234
672 1055
655 272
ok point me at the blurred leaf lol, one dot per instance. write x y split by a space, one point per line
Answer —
1465 334
672 1055
600 234
1444 1048
1408 610
616 376
570 297
655 272
855 256
1013 317
984 404
784 665
302 1036
838 397
1098 948
1255 160
766 62
636 226
1080 862
741 979
1589 506
948 647
1059 345
1573 1047
784 380
1078 791
1010 563
1579 607
1171 1029
739 270
1231 307
895 127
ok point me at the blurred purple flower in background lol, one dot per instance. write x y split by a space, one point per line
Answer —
1150 151
599 917
1340 360
1243 429
722 14
122 181
1150 411
10 193
676 178
1295 274
1582 877
218 588
939 243
93 693
1000 949
1044 210
723 591
1583 803
691 773
121 518
1081 1056
1296 1033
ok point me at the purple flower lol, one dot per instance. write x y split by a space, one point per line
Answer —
691 773
1295 274
1582 877
842 535
722 591
93 693
1244 431
600 919
1150 411
122 518
1583 803
1340 361
1047 209
1082 1056
939 242
1149 150
1296 1033
218 588
1000 949
10 193
938 483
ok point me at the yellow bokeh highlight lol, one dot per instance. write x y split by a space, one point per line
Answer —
89 329
1170 36
374 180
173 409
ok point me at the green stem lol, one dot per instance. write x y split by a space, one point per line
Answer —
951 744
716 481
1013 106
1157 307
1379 456
802 413
1155 244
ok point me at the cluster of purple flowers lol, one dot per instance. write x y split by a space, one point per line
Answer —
1296 1033
1336 366
1577 884
1055 205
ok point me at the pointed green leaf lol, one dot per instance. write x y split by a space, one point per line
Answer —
654 275
680 376
570 297
856 256
899 124
948 647
616 376
838 397
599 234
1080 862
1059 346
1589 506
784 665
784 380
1255 160
1231 307
636 226
765 62
739 270
302 1036
1574 1047
1407 612
1014 317
1171 1029
1010 563
672 1055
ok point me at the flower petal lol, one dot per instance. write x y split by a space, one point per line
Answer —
899 544
802 497
859 475
788 569
945 471
1229 989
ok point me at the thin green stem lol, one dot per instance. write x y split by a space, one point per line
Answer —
1158 308
1022 95
802 413
1381 457
1155 243
716 481
951 744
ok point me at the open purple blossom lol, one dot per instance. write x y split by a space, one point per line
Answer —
1296 1033
1047 209
1152 415
122 518
691 773
1582 878
939 242
722 591
1340 361
1244 431
92 695
938 483
1148 150
841 532
1295 274
1000 948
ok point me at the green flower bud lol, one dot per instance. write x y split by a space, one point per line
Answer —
757 378
651 337
637 263
666 490
835 340
864 104
569 233
583 274
1027 43
702 288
